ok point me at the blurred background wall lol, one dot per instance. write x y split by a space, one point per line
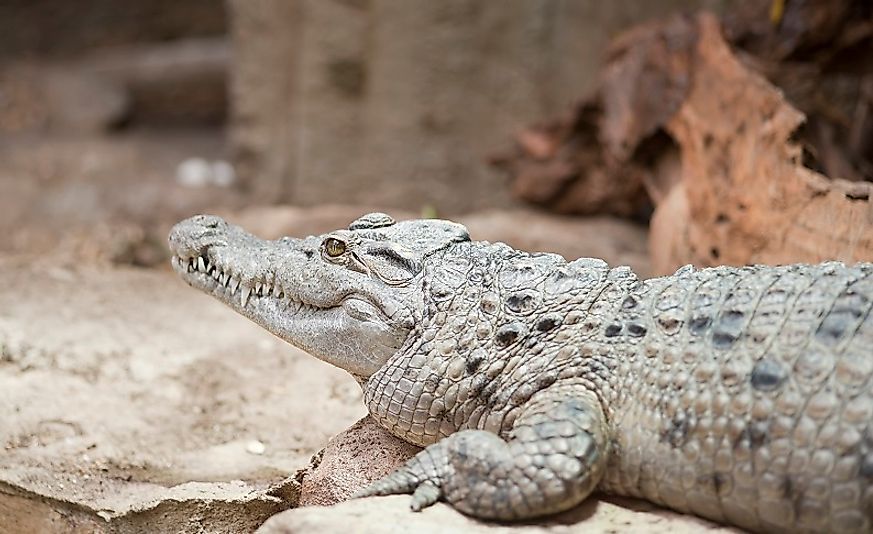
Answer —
401 103
398 103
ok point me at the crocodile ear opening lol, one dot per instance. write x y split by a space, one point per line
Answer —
390 262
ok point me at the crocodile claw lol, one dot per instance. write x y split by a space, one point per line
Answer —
421 476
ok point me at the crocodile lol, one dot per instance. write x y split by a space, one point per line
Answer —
738 394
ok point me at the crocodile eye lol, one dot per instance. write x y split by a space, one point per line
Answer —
334 247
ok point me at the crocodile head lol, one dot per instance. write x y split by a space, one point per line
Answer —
349 297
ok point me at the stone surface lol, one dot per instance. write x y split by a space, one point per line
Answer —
366 452
392 515
129 402
399 103
361 454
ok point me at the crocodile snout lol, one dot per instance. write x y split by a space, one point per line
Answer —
193 235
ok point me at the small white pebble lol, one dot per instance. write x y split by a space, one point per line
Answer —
255 447
193 172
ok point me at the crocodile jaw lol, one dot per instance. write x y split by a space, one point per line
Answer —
284 287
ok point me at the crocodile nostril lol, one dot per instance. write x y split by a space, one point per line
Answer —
206 221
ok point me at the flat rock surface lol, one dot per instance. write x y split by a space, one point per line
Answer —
128 399
352 460
366 452
389 515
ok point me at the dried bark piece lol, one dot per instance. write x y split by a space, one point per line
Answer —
562 165
749 198
644 82
610 154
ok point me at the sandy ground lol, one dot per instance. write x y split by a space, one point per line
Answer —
123 393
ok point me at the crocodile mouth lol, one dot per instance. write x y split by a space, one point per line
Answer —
209 276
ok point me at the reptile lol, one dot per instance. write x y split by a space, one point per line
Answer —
738 394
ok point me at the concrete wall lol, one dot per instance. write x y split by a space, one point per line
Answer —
400 102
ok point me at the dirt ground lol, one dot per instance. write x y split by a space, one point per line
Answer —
126 396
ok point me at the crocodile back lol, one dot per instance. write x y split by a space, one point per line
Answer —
748 396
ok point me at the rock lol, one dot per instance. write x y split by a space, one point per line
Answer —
179 83
363 453
389 515
133 403
82 102
39 98
366 452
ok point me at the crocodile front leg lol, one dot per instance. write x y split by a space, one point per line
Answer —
554 457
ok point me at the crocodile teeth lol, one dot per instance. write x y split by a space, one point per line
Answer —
258 287
277 291
201 265
217 275
234 285
244 296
